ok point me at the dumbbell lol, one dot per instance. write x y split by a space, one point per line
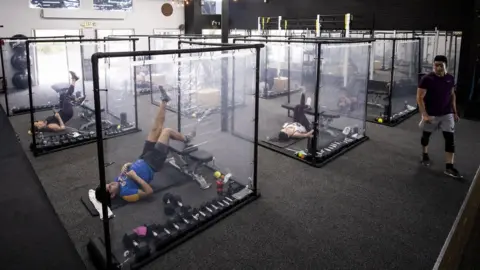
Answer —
201 215
188 217
171 203
218 206
140 249
176 223
207 210
161 236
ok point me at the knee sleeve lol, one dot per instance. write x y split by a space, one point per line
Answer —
449 142
425 138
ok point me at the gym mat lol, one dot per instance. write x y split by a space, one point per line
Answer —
46 245
282 144
167 178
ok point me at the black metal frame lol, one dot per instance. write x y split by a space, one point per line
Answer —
313 160
4 82
388 119
33 146
101 156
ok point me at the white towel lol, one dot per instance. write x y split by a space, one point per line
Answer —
98 205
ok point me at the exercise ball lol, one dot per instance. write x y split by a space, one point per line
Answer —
19 45
20 80
19 61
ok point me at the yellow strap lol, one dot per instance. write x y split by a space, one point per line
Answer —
285 24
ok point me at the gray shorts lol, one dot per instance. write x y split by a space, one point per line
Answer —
444 123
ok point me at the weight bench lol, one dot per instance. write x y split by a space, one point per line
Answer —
325 118
188 159
89 115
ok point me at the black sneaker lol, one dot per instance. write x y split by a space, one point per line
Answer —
165 97
452 172
425 160
73 76
189 137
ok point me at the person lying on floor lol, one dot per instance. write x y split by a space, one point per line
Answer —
134 180
347 102
300 127
56 123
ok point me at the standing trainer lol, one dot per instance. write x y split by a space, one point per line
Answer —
437 103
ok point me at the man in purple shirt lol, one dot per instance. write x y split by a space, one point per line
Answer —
437 103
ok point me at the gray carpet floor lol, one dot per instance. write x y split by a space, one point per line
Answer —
373 208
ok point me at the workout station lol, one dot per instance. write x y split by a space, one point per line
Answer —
70 120
394 74
188 182
324 115
13 56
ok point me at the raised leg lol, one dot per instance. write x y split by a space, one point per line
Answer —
154 134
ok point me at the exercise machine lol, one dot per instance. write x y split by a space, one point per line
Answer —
188 159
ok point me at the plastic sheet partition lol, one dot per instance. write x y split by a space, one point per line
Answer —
178 176
393 80
14 69
60 95
405 77
324 114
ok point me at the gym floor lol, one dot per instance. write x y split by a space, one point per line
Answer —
373 208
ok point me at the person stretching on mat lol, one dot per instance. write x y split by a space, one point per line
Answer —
134 180
56 123
300 127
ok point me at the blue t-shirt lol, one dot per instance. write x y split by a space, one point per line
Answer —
128 187
438 99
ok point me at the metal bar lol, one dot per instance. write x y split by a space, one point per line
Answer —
182 51
79 40
134 47
30 99
179 89
288 71
257 106
370 50
150 75
313 143
391 81
34 38
101 160
225 20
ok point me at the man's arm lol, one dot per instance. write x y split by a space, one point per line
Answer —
299 135
421 104
146 188
62 125
55 127
454 101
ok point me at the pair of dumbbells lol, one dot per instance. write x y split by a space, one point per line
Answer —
217 205
171 203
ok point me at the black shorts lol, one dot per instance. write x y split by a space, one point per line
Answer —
154 154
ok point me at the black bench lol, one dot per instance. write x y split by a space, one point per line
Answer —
192 151
86 106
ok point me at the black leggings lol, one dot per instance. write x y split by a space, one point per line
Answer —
66 107
300 117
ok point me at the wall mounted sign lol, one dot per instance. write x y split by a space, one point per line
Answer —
88 24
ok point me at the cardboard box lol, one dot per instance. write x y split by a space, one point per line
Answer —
158 79
280 84
208 98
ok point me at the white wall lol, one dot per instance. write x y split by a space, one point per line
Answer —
18 18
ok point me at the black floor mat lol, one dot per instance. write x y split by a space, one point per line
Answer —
282 144
46 245
169 177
